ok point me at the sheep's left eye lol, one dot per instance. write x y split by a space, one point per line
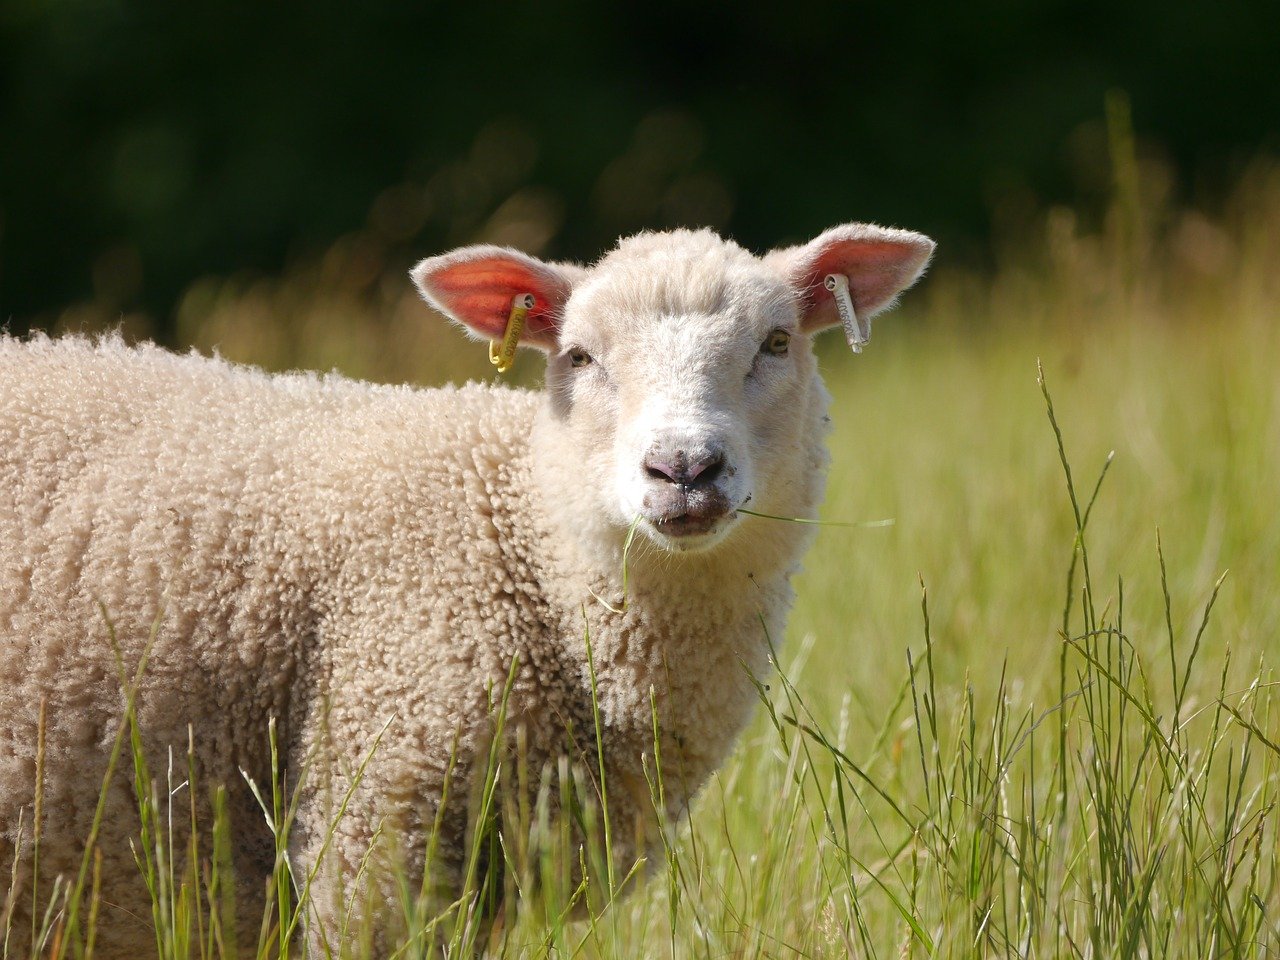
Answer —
776 343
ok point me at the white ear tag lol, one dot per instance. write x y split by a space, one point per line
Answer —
856 330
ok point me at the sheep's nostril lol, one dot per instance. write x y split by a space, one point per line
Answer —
657 470
706 470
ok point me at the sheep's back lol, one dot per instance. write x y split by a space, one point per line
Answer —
226 508
224 519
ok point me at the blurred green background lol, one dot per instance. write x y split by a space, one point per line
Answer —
148 148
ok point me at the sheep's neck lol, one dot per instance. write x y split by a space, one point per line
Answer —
683 640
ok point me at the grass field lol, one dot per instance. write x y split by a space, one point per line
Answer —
1063 751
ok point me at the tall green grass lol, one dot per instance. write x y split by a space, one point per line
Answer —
1037 716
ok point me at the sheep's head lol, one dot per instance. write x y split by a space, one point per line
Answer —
679 366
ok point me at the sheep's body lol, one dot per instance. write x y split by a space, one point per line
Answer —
334 555
353 561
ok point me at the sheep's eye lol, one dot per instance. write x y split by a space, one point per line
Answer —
579 358
776 343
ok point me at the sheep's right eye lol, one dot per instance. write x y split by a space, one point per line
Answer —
777 343
579 358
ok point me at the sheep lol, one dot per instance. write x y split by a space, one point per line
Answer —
364 565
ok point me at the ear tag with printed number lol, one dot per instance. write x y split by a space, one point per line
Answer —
856 330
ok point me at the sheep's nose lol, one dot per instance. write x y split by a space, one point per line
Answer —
680 468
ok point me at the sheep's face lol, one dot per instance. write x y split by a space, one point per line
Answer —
680 368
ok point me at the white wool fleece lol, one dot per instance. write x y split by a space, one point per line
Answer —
349 560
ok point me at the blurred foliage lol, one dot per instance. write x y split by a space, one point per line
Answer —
147 145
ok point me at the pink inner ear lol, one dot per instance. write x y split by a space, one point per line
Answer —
877 271
480 293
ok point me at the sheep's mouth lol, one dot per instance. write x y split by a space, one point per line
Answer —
687 515
686 525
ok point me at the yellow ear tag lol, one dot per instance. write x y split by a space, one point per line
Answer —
502 355
856 330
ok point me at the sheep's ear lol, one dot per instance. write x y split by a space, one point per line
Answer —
476 286
878 262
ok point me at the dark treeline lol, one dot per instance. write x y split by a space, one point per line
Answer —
145 144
